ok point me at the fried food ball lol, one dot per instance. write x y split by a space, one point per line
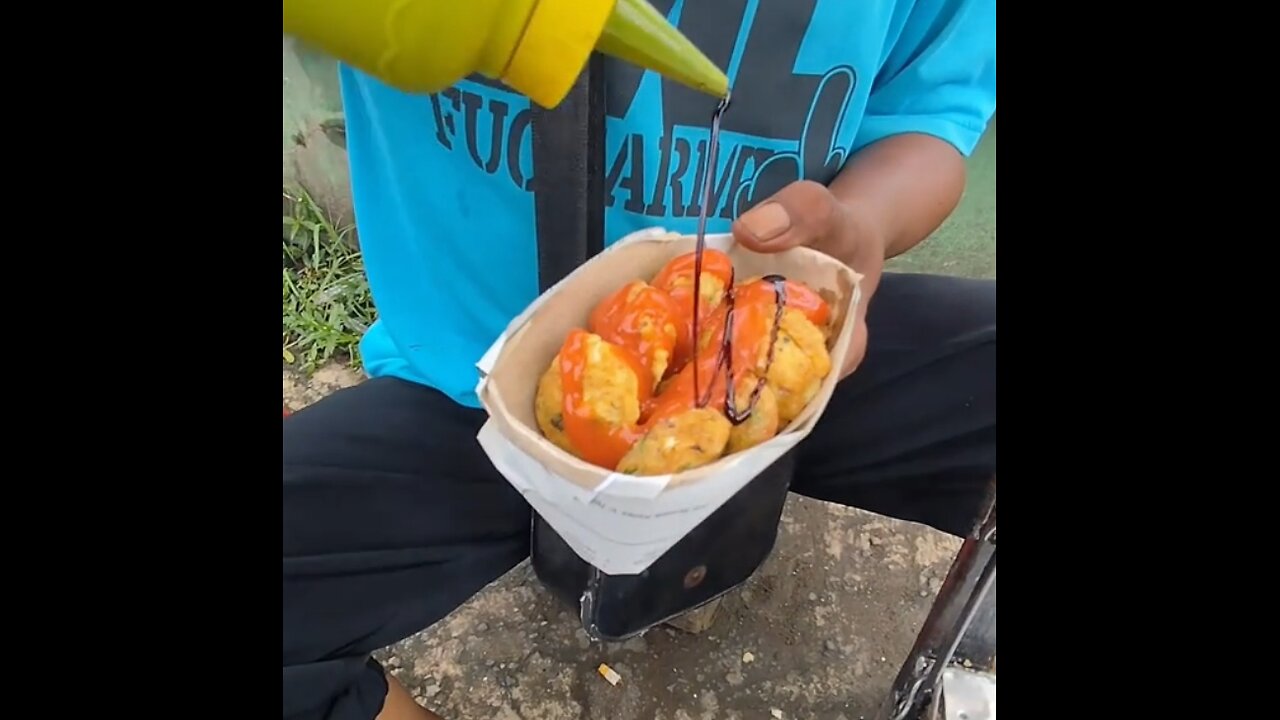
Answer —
643 319
676 278
710 293
800 357
548 407
762 424
611 399
677 443
803 298
800 364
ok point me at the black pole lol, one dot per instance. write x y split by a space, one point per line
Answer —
568 177
964 611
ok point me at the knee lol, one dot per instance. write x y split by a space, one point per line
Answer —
968 307
972 304
932 311
985 304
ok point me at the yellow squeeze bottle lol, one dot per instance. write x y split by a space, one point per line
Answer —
536 47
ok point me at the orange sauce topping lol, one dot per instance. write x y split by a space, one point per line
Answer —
597 441
676 278
638 320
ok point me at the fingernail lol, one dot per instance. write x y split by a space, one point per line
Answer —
767 221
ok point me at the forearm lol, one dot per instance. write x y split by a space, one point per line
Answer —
901 188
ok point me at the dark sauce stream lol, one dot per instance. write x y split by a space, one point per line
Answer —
725 358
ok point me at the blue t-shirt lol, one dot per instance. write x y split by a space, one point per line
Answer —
441 182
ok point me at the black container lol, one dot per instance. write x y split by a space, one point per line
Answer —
715 557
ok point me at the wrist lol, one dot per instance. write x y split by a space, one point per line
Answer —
863 245
864 234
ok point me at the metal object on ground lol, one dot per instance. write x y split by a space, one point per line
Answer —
966 597
968 695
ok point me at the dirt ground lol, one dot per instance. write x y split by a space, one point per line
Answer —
817 633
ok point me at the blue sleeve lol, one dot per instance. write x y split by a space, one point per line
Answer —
939 77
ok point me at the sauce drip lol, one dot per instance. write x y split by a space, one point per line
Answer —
734 348
676 278
725 358
726 350
713 148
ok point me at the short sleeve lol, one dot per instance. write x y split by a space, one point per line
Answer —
939 77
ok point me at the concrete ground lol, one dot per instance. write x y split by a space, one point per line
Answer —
818 632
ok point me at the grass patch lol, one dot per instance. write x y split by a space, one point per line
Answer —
327 304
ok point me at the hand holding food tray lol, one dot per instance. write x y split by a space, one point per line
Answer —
666 457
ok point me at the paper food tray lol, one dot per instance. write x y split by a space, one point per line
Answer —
622 523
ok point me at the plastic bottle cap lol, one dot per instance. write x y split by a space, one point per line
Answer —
555 46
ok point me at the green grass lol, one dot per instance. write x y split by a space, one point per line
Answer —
327 305
965 245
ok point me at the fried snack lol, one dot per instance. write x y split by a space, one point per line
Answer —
679 442
676 279
800 360
624 395
548 407
643 319
801 297
762 424
589 399
800 364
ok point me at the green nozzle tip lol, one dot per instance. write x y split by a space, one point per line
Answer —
637 33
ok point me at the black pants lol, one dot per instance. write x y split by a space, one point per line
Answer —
393 515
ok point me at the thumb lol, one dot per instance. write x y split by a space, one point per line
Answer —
796 215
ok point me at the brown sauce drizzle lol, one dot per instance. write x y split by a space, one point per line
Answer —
713 147
725 358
